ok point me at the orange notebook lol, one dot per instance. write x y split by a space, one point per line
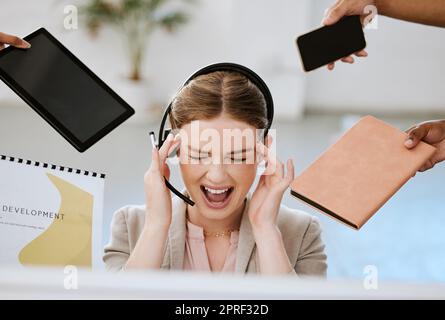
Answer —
355 177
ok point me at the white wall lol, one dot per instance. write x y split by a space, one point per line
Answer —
405 71
259 34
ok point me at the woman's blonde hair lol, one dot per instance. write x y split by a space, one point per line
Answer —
208 96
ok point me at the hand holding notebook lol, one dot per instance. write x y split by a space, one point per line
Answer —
355 177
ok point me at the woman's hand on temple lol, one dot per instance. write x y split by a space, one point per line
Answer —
158 196
150 247
266 199
13 41
432 132
263 212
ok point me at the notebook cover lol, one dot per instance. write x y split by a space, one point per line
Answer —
355 177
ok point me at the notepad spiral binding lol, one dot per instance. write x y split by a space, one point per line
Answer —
52 166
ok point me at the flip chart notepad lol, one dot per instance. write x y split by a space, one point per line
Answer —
50 215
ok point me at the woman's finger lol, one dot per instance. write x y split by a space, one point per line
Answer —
14 41
271 161
348 59
411 128
285 182
361 53
290 171
163 151
334 13
416 135
154 159
280 169
426 167
174 146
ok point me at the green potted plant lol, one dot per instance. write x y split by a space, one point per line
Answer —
135 20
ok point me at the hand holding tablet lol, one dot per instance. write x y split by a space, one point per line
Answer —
62 90
13 41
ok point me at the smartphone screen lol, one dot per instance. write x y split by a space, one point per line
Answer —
330 43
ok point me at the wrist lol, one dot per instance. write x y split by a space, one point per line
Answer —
266 233
151 225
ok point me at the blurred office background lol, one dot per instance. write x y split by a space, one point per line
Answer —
402 81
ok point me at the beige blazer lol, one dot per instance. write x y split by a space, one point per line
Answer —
300 231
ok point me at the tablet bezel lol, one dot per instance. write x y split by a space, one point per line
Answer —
57 125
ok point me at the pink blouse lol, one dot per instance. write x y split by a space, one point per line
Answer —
196 258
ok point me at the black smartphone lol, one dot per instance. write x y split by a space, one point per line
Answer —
330 43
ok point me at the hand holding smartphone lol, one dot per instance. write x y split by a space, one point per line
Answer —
331 43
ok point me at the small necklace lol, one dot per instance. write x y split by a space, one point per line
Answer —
223 233
219 233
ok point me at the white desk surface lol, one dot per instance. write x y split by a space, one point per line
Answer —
33 283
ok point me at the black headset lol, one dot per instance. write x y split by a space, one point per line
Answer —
225 66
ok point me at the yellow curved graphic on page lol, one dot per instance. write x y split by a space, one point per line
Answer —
66 241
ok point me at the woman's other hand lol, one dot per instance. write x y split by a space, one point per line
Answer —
263 212
266 199
157 195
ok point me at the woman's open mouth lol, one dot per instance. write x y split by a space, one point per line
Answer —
216 197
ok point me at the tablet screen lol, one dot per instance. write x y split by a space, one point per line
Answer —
63 90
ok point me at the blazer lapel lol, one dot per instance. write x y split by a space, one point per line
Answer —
246 242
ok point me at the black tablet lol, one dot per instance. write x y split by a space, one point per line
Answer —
61 89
